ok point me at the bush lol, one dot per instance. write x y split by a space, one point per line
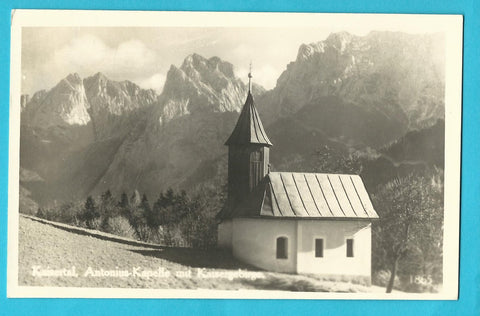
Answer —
70 213
155 236
142 232
120 226
46 213
94 224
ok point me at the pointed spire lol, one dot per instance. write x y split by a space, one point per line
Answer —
249 128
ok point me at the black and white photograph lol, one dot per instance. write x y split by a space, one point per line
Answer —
234 155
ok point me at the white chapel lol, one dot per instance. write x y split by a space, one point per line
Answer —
292 222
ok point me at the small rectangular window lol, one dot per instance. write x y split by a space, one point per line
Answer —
318 248
282 248
349 248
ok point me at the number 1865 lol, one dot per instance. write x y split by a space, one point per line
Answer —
421 279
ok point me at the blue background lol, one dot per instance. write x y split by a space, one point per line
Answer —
469 297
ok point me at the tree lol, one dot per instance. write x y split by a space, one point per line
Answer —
123 205
90 212
107 208
145 205
69 213
139 208
199 225
168 212
411 221
330 160
135 215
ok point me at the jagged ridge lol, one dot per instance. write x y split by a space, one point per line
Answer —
144 142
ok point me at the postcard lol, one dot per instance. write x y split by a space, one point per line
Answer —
234 155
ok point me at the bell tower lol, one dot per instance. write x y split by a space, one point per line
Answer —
248 151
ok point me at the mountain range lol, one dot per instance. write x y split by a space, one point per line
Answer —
380 94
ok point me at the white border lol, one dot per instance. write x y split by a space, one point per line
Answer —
451 25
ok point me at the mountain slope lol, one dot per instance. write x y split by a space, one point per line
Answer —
396 75
113 103
417 152
188 126
70 134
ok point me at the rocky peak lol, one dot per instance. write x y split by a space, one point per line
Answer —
213 72
195 63
340 40
65 104
116 97
200 85
100 76
112 103
97 99
39 95
305 51
387 71
74 78
73 82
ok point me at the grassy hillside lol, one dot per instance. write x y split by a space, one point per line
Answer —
53 248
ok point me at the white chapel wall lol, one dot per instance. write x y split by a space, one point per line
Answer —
254 242
335 260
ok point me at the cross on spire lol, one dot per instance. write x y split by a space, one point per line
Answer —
250 78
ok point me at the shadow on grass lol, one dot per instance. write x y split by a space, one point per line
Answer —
196 258
218 259
285 284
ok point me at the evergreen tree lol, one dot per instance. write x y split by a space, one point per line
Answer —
107 208
40 212
139 208
90 213
123 206
145 205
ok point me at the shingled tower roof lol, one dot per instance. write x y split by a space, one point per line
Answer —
249 128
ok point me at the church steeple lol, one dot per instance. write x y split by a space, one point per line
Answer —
249 128
248 152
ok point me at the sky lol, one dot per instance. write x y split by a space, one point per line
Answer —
144 54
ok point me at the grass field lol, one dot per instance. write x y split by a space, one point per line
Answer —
44 251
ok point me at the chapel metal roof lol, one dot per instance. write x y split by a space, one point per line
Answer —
306 195
249 128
